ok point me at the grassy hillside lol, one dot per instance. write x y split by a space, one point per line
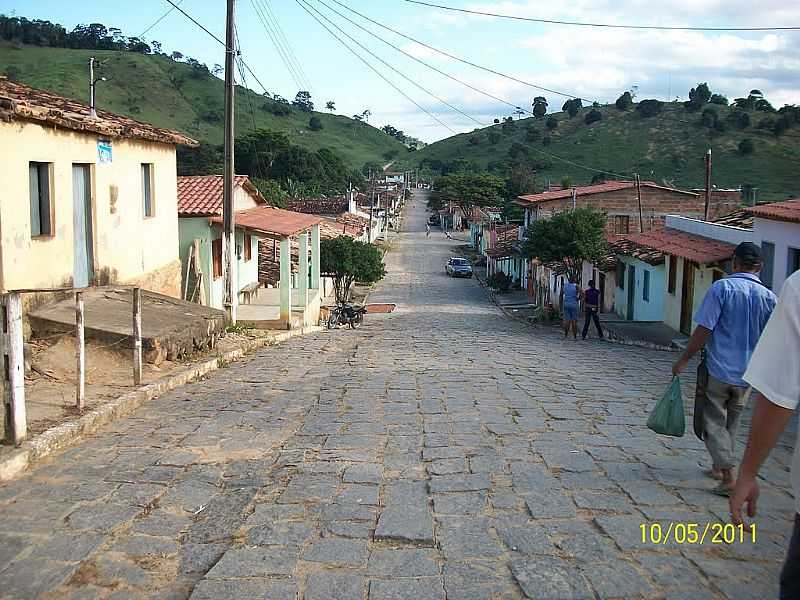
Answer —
158 90
668 147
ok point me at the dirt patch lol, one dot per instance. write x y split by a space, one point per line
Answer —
381 308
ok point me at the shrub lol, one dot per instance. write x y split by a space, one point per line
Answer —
499 281
474 140
593 116
278 109
546 141
494 136
708 118
718 99
649 108
746 146
624 102
551 123
314 123
533 135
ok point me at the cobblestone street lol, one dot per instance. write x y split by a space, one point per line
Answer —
444 451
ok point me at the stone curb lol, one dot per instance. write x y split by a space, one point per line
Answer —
18 460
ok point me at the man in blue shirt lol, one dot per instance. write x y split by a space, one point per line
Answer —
730 320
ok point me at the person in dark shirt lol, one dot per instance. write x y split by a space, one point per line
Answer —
591 302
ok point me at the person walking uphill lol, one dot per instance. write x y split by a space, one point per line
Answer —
729 321
569 298
591 305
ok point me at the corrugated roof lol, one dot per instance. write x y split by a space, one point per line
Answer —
273 221
598 188
684 245
789 210
201 196
22 102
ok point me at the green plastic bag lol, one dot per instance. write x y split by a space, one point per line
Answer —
667 417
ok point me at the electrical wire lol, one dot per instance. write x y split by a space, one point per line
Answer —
398 71
601 25
157 21
196 22
278 47
463 60
374 70
422 62
287 45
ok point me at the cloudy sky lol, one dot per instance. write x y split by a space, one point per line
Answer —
593 63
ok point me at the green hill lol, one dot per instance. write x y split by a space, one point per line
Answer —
175 95
668 147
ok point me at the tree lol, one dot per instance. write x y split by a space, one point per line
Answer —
746 146
624 102
551 123
467 190
496 121
366 114
314 123
568 238
508 125
593 116
649 108
494 136
346 261
566 182
539 107
302 100
739 118
272 191
330 106
718 99
217 70
708 118
532 135
698 97
474 140
572 107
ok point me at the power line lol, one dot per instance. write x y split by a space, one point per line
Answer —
374 70
462 60
398 71
422 62
603 25
200 25
287 45
278 47
157 21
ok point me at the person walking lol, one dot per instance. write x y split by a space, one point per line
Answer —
427 230
730 320
591 305
774 373
569 300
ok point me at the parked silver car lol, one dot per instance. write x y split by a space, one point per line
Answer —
458 267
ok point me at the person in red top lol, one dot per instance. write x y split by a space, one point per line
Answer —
591 303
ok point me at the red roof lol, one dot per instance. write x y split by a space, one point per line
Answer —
273 221
599 188
778 211
201 196
684 245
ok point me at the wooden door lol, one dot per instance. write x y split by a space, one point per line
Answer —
601 281
83 241
687 297
631 291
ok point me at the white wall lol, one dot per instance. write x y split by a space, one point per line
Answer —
784 235
715 231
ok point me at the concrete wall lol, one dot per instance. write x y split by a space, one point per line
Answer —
643 310
715 231
128 248
703 279
785 236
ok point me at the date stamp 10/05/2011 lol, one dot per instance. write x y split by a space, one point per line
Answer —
697 533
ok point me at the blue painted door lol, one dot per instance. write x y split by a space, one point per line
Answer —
83 270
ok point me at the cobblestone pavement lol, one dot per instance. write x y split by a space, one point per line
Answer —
442 451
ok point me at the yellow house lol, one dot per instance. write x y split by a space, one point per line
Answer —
85 200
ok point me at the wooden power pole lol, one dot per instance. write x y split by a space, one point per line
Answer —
639 201
228 219
707 211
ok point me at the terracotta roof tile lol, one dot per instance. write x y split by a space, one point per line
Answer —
788 210
18 101
628 247
273 221
684 245
599 188
201 195
322 205
739 218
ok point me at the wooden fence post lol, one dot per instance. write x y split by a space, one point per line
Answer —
80 354
137 336
12 369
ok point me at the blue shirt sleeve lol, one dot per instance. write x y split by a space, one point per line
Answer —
711 308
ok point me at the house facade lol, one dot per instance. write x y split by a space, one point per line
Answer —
776 227
639 278
88 200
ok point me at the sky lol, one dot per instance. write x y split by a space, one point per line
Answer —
591 63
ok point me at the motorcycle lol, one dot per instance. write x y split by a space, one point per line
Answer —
347 315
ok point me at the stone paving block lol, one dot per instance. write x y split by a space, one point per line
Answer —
161 523
337 552
618 579
143 545
269 513
459 503
101 517
466 537
112 571
33 578
445 466
548 578
244 589
254 562
285 533
199 558
346 512
670 571
363 473
548 505
426 588
222 516
532 477
519 536
349 529
405 523
305 488
460 483
602 500
327 585
11 546
402 562
409 493
358 494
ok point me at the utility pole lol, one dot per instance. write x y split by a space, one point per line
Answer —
707 211
371 202
639 200
92 86
228 219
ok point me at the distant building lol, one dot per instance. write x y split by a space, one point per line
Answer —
86 200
